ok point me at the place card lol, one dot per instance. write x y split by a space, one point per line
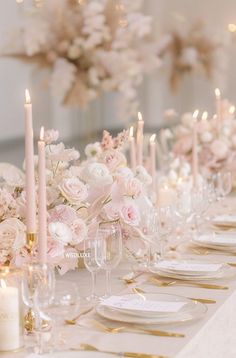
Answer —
142 304
188 266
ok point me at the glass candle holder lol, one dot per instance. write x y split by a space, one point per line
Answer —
11 310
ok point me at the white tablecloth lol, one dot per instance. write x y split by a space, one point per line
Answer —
212 336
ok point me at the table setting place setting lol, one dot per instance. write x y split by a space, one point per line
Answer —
110 255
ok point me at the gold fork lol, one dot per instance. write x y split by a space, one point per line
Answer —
73 320
136 329
209 286
89 347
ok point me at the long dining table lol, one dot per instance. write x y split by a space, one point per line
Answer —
210 336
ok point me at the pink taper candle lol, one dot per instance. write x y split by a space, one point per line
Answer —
195 149
153 160
29 167
42 237
218 110
132 151
140 139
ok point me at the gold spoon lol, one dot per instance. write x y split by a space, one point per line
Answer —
89 347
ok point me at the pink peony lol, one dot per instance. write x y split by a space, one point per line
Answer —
57 152
12 234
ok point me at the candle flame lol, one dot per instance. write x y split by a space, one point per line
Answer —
153 138
3 283
140 117
231 109
131 132
217 93
27 97
204 116
41 133
232 27
195 114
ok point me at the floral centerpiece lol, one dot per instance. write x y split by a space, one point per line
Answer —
80 196
90 47
216 140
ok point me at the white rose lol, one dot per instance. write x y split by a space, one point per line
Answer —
96 174
93 149
142 174
12 234
12 175
50 136
124 172
74 190
206 137
60 232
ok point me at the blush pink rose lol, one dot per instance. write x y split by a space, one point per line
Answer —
74 190
79 231
130 187
219 149
130 214
113 159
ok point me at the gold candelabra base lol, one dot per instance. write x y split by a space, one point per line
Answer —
31 239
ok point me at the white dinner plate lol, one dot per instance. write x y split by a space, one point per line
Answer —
219 239
225 220
224 271
192 310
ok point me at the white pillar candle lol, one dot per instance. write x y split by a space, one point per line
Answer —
166 196
140 139
42 237
132 151
153 160
29 167
218 109
195 168
9 318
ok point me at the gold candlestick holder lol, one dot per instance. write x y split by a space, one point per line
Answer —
31 239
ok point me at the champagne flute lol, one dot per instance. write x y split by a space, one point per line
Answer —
166 222
108 250
91 265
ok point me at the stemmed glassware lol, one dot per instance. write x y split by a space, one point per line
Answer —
222 182
108 250
62 305
91 265
166 223
37 277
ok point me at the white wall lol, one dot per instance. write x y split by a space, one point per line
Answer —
155 95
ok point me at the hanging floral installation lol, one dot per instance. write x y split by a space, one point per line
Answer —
90 47
190 50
